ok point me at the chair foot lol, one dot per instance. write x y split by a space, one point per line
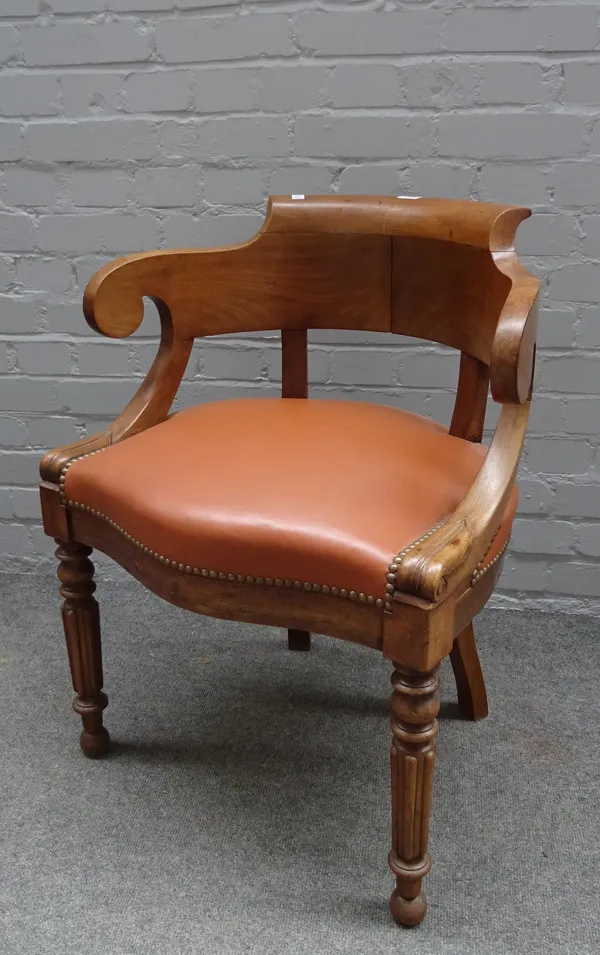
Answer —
81 621
408 911
95 745
298 640
415 705
470 685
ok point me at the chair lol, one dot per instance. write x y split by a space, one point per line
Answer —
344 518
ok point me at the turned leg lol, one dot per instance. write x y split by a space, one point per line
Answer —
298 640
415 705
470 685
81 621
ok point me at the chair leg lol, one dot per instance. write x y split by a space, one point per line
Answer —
470 685
298 640
81 621
415 705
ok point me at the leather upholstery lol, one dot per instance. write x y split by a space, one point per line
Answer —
306 490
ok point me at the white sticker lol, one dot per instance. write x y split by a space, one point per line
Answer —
297 197
409 197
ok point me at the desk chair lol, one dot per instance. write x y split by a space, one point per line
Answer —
349 519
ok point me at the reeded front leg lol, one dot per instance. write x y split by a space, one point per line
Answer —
415 705
81 621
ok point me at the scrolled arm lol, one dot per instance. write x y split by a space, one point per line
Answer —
513 348
449 556
152 401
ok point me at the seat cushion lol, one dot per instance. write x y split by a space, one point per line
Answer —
324 493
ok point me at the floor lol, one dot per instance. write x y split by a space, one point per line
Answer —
245 807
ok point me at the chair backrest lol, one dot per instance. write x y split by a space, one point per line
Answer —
421 267
439 270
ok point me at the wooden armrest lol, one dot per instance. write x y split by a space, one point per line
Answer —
152 401
513 348
450 555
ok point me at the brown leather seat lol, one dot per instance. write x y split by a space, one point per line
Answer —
317 493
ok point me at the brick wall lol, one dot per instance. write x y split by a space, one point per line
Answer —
167 122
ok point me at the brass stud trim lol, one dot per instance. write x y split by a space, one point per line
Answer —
491 544
63 475
390 586
482 570
213 574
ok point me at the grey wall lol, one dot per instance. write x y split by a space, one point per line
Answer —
167 122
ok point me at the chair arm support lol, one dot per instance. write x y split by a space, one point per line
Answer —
152 401
513 348
450 555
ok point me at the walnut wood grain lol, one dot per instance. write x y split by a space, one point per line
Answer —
444 561
513 350
467 283
486 225
325 262
272 282
294 363
81 619
472 600
415 705
468 417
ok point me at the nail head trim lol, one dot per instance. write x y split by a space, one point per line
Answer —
482 569
390 586
203 572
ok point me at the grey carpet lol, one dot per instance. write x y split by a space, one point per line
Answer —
246 808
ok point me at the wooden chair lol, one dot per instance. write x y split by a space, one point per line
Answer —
349 519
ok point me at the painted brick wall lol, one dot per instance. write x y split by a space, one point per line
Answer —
132 124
